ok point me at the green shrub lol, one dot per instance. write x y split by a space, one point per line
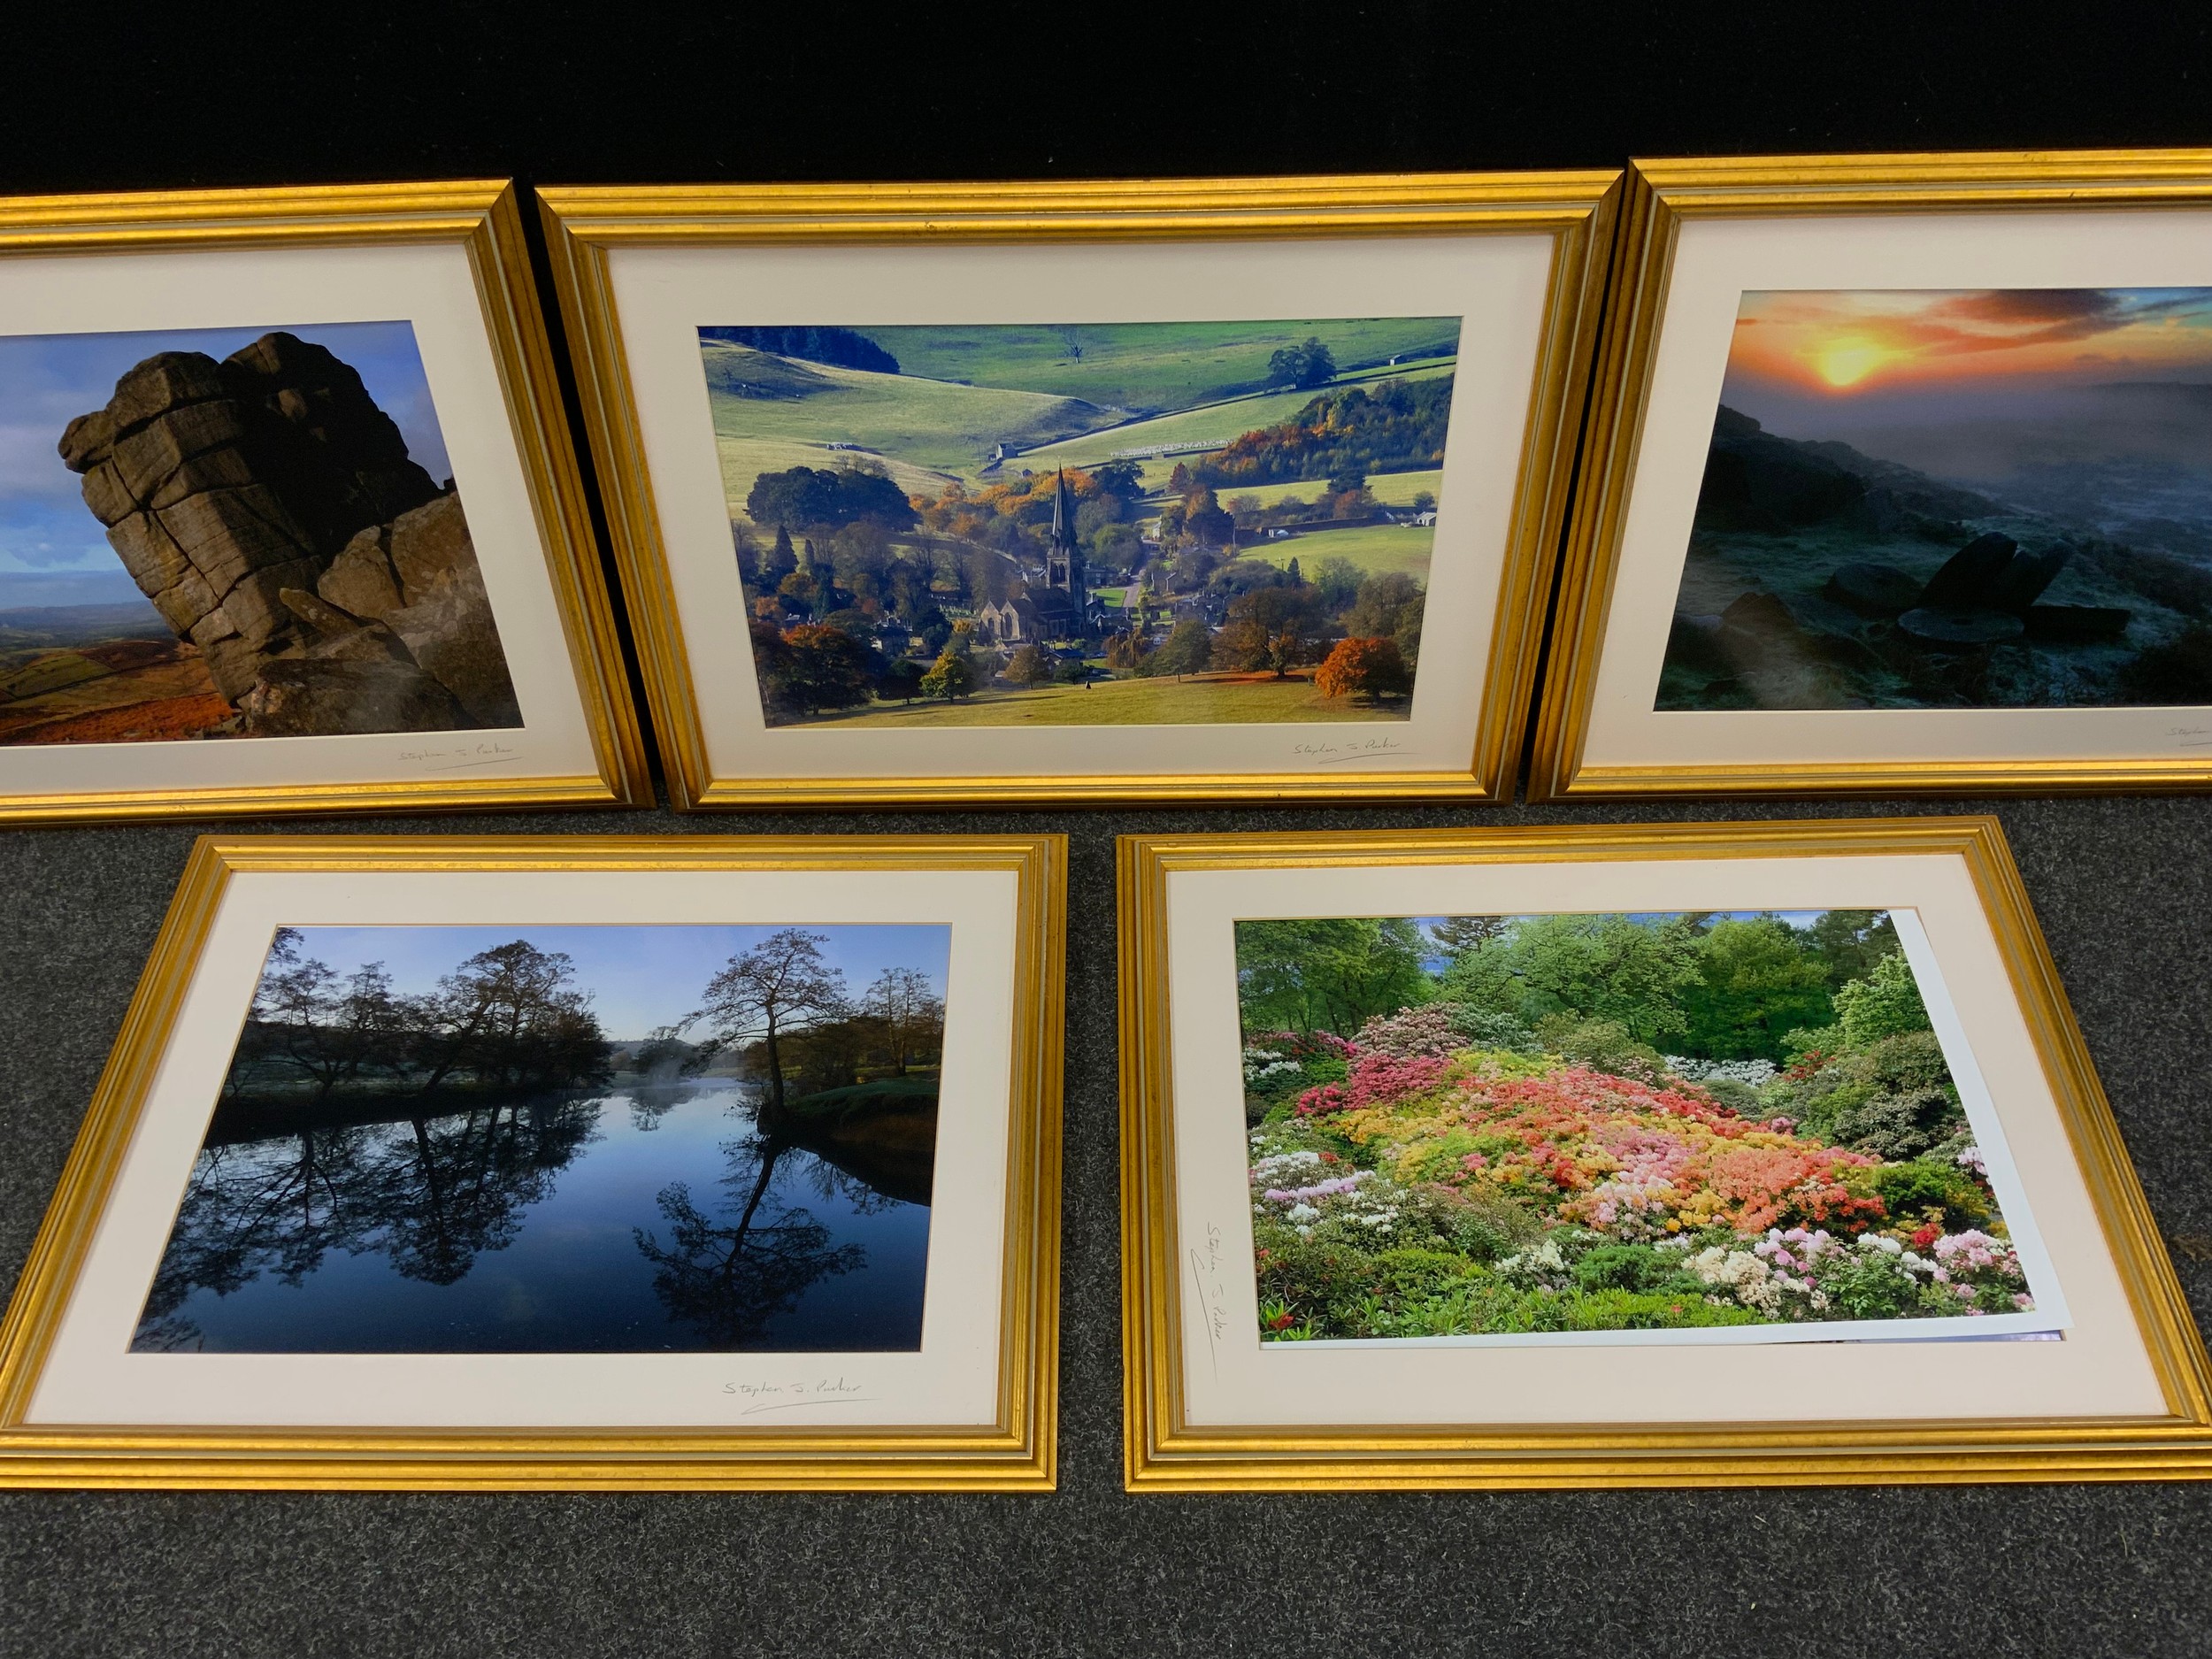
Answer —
1484 1028
1633 1267
1737 1096
1906 1063
1883 1003
1603 1045
1899 1127
1871 1285
1808 1040
1823 1100
1912 1189
1645 1311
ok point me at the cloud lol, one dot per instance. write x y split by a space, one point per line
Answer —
2023 307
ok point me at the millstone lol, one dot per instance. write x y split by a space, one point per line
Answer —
1960 627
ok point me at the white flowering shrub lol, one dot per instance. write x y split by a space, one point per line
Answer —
1750 1073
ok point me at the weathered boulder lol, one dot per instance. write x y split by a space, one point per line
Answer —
325 696
1873 590
449 631
269 510
1762 615
1693 642
2077 625
360 579
1778 661
1960 627
427 544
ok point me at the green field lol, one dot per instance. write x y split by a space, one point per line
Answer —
745 459
1213 425
926 424
1201 700
1374 548
1147 366
1392 489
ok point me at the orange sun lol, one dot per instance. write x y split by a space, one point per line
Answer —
1850 358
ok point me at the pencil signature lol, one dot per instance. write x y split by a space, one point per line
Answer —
824 1391
1205 1263
1324 753
488 753
2191 736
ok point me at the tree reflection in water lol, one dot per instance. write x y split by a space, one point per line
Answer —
429 1193
729 1280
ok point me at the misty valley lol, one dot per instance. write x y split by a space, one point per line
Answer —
1942 501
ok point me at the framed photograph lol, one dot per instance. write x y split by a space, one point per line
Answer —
292 464
565 1162
1091 492
1896 478
1654 1155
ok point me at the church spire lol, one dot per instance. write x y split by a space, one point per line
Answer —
1064 555
1063 512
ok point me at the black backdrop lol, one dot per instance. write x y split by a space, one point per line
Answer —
119 97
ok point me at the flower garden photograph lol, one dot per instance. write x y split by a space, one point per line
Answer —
1084 524
1510 1125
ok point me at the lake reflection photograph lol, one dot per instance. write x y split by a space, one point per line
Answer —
560 1140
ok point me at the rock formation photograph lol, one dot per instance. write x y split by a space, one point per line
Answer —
212 534
1955 500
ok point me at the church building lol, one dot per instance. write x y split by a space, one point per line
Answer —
1061 608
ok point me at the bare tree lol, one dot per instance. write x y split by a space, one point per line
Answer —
502 1009
778 988
911 1014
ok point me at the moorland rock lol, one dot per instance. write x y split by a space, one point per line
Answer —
268 508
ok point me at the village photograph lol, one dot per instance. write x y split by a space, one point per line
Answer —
1510 1126
235 533
567 1140
1974 499
1103 524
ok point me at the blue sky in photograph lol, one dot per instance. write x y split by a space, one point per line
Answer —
638 977
47 380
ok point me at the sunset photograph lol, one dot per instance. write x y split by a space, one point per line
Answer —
1954 499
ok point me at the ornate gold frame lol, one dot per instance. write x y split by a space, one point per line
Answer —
583 224
1016 1454
1662 196
1164 1452
482 216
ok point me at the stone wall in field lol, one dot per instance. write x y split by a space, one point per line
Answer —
268 508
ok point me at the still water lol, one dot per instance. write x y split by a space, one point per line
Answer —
652 1220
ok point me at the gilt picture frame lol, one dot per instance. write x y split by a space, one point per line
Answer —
1117 491
1490 1232
565 1162
1893 481
290 519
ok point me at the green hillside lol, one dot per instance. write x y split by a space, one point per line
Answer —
1392 489
1212 424
745 459
1147 366
923 423
1373 548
